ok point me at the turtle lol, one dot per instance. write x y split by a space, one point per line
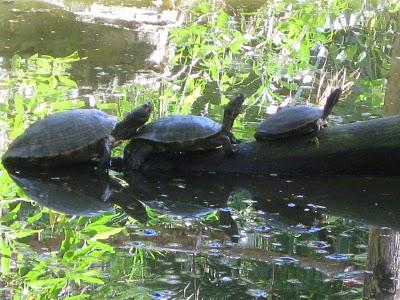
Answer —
296 120
183 133
73 137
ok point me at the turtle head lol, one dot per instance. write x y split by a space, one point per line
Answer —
128 127
231 111
331 101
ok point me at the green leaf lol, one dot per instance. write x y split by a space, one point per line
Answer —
47 282
108 106
101 246
78 297
66 81
91 279
11 215
106 234
24 233
222 20
5 250
5 265
35 217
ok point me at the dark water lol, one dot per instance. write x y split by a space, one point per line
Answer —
208 236
273 236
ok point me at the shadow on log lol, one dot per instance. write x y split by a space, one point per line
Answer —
369 147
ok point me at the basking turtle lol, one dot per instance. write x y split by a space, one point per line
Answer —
296 120
74 136
182 134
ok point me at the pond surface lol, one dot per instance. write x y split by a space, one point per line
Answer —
71 234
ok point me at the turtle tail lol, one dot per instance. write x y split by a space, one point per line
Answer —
231 111
331 101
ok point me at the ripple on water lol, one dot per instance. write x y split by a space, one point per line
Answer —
262 228
285 260
181 259
293 281
162 295
174 245
313 229
214 245
138 244
226 279
258 293
228 244
171 279
318 244
338 256
349 275
226 209
150 232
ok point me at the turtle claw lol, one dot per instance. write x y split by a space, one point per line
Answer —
316 141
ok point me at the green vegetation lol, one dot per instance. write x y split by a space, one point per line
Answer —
282 48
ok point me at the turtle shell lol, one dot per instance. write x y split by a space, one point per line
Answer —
179 129
288 120
70 136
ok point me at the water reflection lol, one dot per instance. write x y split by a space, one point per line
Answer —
72 193
115 48
77 191
283 226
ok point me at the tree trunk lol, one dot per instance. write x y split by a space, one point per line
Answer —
370 147
392 100
384 262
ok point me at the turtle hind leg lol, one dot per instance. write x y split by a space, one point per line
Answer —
136 153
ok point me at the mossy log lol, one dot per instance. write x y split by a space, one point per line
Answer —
369 147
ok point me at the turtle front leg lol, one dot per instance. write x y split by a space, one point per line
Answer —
233 139
104 163
136 153
226 144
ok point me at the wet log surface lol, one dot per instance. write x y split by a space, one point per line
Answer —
370 147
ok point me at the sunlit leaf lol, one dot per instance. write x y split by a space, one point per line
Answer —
107 233
78 297
5 250
222 20
35 217
25 232
47 282
67 81
5 265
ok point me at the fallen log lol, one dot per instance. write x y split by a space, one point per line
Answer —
369 147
